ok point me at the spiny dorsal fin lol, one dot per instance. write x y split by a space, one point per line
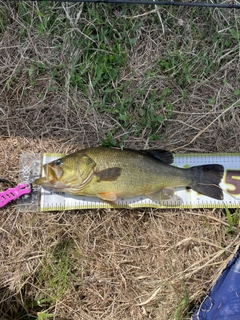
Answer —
164 156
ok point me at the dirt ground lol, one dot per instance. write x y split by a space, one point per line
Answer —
108 264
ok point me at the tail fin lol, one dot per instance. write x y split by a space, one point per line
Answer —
206 179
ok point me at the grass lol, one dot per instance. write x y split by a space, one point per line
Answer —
75 75
233 221
93 44
181 308
55 272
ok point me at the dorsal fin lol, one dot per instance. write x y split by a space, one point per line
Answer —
161 155
164 156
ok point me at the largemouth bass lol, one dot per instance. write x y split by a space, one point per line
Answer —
109 174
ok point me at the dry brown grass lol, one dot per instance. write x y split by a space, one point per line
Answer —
110 264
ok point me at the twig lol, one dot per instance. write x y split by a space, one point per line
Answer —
235 104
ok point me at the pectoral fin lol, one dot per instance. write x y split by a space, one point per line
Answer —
110 174
107 196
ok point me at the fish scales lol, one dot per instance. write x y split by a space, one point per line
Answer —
139 174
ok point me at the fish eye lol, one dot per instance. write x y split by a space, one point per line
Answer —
58 162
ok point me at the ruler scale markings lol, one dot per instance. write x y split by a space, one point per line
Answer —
190 199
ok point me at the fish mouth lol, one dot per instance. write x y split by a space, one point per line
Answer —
52 173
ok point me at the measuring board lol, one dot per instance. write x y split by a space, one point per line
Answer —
49 200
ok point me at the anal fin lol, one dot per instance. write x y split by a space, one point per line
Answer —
164 194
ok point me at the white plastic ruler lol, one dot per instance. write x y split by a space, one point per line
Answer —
50 200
